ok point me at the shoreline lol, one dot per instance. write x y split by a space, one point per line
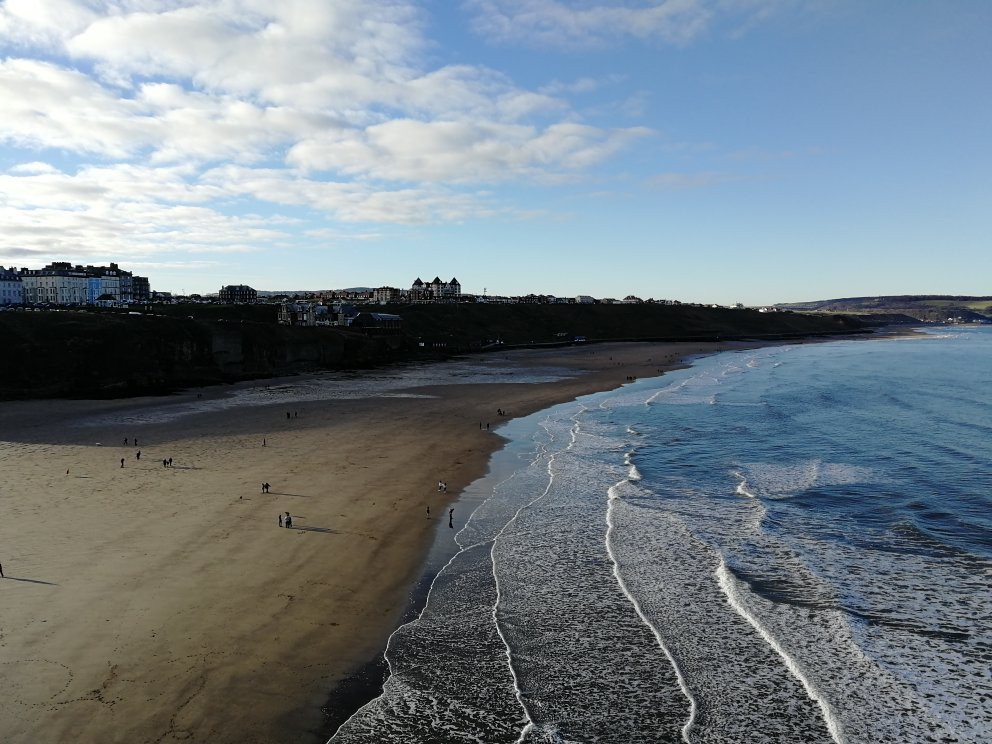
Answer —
174 609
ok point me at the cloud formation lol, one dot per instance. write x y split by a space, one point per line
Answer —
595 23
579 24
142 123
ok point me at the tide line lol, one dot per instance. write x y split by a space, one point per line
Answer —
573 431
613 497
461 549
529 726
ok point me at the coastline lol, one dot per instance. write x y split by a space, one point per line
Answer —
165 604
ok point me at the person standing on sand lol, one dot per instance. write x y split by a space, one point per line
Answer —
1 572
138 456
280 520
428 511
122 462
289 520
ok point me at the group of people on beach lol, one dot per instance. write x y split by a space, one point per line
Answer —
442 486
286 521
265 487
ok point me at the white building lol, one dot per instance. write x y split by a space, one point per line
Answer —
436 291
56 284
61 283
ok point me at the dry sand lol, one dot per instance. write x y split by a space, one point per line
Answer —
157 604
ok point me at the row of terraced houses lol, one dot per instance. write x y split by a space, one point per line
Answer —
61 283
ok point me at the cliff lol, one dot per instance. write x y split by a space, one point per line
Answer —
78 354
115 354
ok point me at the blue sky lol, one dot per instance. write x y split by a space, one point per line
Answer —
704 150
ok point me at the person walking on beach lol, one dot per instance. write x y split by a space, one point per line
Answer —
165 463
289 520
428 511
125 441
138 456
122 462
451 517
280 519
1 572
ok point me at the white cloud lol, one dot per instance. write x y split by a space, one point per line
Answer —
572 23
596 23
47 106
34 167
355 201
169 118
460 152
121 210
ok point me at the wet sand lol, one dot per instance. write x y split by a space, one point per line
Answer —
148 603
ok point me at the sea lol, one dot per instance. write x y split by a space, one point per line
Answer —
781 544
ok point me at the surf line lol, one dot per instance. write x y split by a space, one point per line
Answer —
573 432
529 726
726 582
613 496
430 590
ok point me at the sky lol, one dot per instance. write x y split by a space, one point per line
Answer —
721 151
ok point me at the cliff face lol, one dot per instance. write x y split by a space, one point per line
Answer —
81 354
67 354
476 326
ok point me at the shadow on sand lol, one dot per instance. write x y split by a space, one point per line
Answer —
31 581
327 530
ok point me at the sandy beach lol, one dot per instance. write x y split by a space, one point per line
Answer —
156 603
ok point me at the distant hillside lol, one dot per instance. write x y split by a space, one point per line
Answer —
926 308
120 354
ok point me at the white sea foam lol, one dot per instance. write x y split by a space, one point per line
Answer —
728 586
782 480
690 721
